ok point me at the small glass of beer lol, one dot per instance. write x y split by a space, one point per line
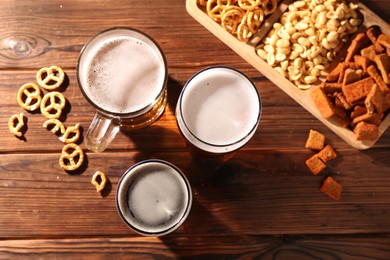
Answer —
153 197
122 72
218 111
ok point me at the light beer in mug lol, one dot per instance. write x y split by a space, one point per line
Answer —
218 111
122 72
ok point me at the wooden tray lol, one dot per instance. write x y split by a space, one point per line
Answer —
247 52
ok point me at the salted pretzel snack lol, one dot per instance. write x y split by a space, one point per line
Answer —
231 18
72 157
241 18
16 128
52 104
214 8
29 96
58 126
99 186
50 78
71 135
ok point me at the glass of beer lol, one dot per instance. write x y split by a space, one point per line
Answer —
153 197
218 111
122 72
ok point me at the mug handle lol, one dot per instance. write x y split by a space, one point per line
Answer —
101 132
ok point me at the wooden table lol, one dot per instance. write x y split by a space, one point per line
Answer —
263 203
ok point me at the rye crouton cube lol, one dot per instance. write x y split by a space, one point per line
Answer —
359 42
373 72
352 75
330 88
342 102
373 33
331 188
384 40
327 154
358 90
368 52
334 75
373 118
315 164
366 132
374 100
326 108
383 63
315 140
358 111
362 62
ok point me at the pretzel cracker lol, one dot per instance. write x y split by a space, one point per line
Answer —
72 157
15 124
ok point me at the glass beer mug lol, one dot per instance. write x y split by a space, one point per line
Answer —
218 112
122 72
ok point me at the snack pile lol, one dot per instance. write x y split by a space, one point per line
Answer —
356 93
317 163
241 18
51 106
307 38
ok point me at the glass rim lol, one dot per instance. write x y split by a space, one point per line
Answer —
253 128
187 207
126 114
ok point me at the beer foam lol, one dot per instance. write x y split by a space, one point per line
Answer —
122 74
220 107
157 197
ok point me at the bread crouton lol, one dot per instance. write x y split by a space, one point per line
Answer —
359 42
373 34
373 118
383 63
362 62
373 72
374 100
386 102
342 121
332 188
384 40
326 108
346 66
315 164
352 75
366 132
333 76
368 52
357 90
315 140
342 102
327 154
358 111
330 88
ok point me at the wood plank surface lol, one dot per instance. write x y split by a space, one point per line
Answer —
264 203
212 247
249 195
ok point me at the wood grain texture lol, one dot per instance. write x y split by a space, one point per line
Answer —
263 204
210 247
249 195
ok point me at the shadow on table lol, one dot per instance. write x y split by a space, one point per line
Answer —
197 175
233 199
